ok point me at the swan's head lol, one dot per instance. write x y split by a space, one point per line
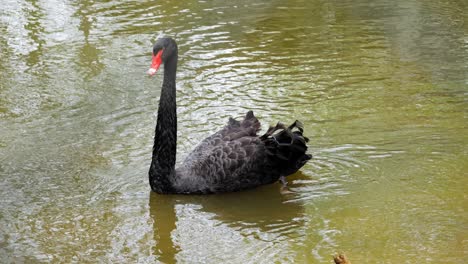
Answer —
163 49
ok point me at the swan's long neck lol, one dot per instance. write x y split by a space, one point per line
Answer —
162 170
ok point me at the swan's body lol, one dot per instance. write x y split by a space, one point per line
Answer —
234 158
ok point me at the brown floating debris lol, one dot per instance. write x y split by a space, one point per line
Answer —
341 259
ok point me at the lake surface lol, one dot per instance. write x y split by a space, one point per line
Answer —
381 87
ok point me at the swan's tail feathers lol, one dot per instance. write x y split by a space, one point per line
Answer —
286 147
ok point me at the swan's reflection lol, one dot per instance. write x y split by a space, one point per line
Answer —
266 209
162 210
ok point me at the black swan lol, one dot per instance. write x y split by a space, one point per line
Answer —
234 158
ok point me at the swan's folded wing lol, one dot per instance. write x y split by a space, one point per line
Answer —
228 166
234 130
235 158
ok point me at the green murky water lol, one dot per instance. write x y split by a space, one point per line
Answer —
381 87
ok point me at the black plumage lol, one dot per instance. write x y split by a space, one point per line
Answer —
234 158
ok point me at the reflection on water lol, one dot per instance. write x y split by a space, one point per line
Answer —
380 86
163 212
264 214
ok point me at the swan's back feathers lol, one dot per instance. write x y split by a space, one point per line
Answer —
235 129
236 158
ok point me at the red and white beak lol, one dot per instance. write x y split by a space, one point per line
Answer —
156 63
